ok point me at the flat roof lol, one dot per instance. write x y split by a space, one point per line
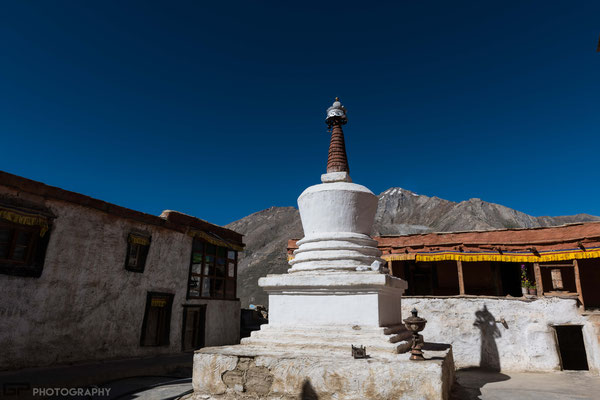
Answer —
513 236
169 219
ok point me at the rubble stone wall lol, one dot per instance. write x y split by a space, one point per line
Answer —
86 305
502 333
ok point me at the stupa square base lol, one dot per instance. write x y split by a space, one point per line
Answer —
253 372
325 299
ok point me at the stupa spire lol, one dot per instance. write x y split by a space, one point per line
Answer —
337 161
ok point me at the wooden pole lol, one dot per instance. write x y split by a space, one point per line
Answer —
578 282
538 278
461 280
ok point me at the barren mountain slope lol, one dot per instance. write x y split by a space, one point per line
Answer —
399 212
266 236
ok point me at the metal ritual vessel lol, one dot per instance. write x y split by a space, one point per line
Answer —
416 324
359 351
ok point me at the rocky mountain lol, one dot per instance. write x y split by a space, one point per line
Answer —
399 212
266 236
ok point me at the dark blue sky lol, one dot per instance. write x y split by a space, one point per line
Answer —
216 109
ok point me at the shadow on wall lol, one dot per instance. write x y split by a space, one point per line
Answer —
486 322
308 392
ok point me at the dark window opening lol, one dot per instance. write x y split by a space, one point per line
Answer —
447 279
213 271
137 252
482 278
440 278
194 322
428 279
589 276
558 277
157 319
510 278
22 248
571 347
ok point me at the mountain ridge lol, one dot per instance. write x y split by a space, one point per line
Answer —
399 212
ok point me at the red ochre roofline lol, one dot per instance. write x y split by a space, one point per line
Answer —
560 233
168 219
557 243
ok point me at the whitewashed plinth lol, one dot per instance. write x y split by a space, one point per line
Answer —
256 372
334 310
359 298
305 350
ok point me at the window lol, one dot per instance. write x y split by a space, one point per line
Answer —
137 252
22 245
157 319
213 271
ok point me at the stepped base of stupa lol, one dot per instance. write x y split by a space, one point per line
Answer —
388 340
315 372
305 352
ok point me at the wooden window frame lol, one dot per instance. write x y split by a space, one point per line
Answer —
212 275
143 251
33 263
165 339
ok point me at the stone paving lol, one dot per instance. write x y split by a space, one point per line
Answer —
477 384
472 384
147 388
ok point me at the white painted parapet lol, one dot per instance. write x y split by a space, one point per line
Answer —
509 334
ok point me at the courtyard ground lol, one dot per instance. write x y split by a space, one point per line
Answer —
169 377
159 377
477 384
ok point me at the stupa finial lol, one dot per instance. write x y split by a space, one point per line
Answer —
336 114
337 161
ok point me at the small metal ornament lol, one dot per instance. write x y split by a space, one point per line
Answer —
336 114
359 351
415 324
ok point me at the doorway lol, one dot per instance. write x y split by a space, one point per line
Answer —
157 319
571 348
194 321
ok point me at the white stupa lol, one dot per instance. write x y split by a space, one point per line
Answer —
337 281
337 294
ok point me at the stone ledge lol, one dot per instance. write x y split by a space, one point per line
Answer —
347 281
248 372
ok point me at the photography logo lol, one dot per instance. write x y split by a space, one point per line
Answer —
15 388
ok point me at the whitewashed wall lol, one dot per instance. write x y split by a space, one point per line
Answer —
526 344
86 306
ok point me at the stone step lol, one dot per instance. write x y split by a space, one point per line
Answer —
290 335
403 336
336 330
318 345
312 335
394 329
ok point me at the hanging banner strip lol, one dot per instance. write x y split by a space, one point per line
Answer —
213 240
140 240
23 218
560 255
